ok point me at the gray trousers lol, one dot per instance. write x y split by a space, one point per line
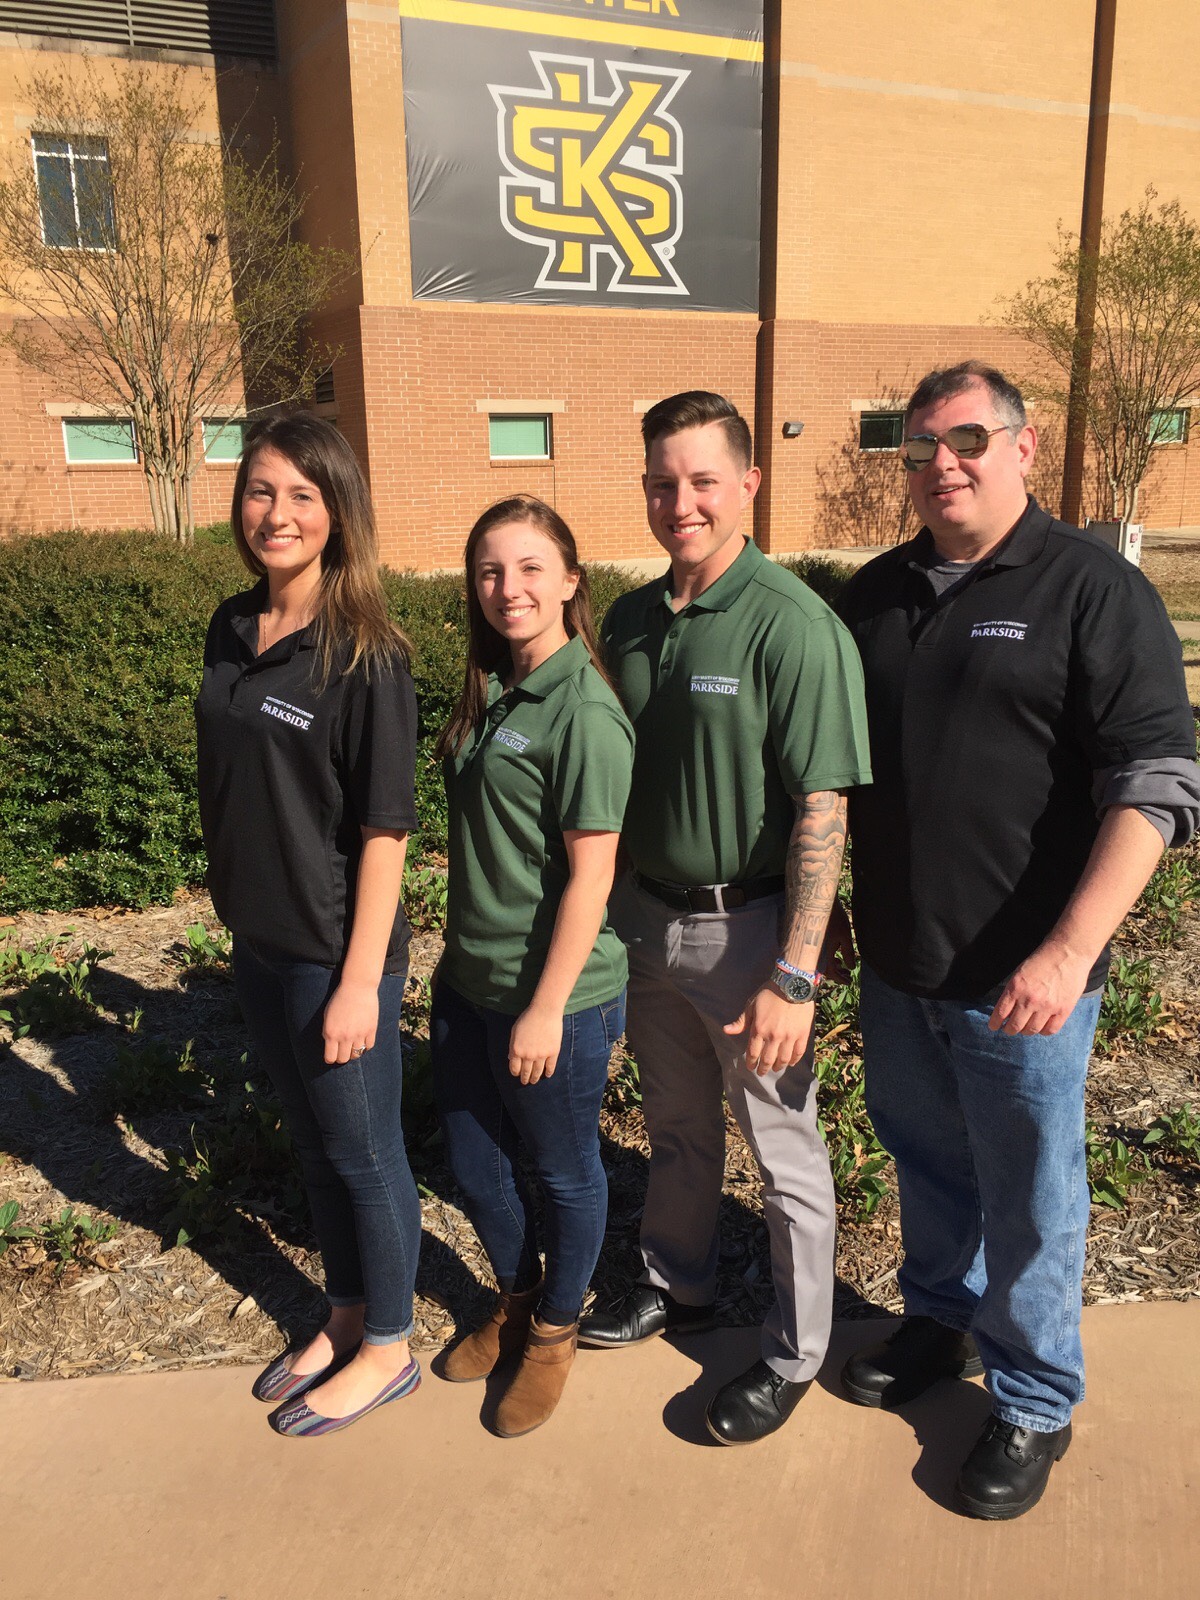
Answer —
689 974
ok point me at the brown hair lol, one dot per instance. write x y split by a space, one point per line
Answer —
351 607
946 382
486 651
696 408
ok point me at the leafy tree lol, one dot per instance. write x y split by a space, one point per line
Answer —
157 271
1141 355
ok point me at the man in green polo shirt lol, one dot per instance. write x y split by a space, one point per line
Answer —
746 695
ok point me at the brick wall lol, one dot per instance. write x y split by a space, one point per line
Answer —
410 402
916 190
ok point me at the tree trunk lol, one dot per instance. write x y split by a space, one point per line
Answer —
170 491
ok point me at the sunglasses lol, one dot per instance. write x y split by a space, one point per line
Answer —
968 440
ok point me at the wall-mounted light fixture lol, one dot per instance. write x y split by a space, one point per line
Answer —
792 430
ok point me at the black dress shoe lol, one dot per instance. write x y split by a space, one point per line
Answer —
642 1313
752 1405
919 1353
1006 1472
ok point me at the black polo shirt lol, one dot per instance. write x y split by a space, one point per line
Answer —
989 711
289 777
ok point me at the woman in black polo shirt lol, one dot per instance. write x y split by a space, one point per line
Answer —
306 729
530 995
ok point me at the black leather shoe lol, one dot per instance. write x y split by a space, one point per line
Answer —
642 1313
752 1405
919 1353
1006 1472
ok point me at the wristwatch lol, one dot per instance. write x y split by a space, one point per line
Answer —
794 983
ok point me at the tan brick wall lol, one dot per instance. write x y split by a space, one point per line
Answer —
918 187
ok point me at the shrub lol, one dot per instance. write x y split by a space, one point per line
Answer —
104 635
103 640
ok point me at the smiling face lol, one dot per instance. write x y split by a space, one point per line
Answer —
970 505
523 583
696 491
285 521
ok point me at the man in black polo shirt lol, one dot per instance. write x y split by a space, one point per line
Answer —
1033 749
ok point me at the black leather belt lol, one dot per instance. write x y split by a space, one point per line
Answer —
714 897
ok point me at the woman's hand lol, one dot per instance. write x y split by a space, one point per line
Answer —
534 1043
351 1018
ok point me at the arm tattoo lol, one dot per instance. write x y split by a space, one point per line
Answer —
814 862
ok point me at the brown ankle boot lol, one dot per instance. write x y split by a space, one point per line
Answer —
500 1339
538 1382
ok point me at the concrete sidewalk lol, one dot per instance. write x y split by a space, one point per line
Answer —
171 1487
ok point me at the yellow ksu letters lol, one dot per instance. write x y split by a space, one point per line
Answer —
594 174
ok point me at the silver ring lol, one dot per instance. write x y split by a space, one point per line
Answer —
356 1052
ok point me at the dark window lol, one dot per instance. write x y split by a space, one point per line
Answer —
74 192
880 430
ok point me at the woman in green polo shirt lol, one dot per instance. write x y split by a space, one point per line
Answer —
530 994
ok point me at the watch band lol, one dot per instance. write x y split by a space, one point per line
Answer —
798 972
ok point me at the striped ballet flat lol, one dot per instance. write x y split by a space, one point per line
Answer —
298 1420
277 1383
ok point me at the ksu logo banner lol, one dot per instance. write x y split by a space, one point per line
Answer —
604 152
594 174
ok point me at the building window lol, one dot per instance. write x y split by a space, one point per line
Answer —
74 193
880 430
519 438
99 439
1169 427
224 438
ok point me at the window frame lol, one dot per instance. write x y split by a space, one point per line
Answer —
1157 416
897 417
75 155
544 417
131 460
218 425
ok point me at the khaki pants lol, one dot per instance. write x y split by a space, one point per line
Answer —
689 974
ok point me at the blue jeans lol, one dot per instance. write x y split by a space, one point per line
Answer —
987 1132
488 1116
345 1125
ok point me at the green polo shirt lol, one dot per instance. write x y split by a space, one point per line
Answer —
555 753
751 694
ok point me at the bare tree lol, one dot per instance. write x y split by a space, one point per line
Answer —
1141 358
861 493
158 271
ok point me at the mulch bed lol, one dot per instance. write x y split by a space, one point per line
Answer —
131 1304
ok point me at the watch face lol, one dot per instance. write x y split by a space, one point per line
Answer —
796 989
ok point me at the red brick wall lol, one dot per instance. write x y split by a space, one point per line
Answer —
425 368
41 490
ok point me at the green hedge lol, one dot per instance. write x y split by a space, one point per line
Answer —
103 636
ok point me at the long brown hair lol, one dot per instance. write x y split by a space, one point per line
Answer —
351 608
486 651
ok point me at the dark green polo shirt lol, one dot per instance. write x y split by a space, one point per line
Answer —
553 754
751 694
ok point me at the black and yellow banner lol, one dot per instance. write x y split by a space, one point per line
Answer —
601 152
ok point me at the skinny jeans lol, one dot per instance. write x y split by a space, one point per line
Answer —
488 1117
345 1124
